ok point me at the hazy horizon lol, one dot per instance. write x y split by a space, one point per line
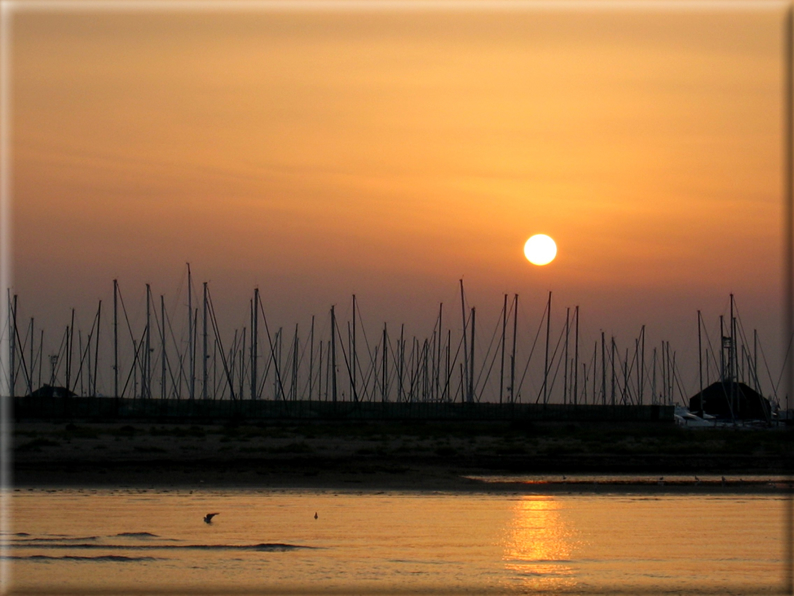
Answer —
317 154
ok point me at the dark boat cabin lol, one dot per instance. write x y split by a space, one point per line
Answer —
729 401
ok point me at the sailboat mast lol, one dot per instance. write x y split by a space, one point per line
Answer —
353 391
162 349
700 366
502 369
254 344
438 362
612 363
193 355
788 97
603 371
190 352
320 374
565 368
80 367
471 360
576 360
251 315
653 379
12 344
116 340
733 355
33 362
594 397
513 357
41 355
279 385
665 364
69 343
642 365
311 358
447 366
384 380
722 375
147 370
670 376
96 347
294 388
624 393
546 364
333 355
242 365
755 361
204 376
400 389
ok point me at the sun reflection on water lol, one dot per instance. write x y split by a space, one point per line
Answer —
539 544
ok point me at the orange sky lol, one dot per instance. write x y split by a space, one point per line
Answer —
389 153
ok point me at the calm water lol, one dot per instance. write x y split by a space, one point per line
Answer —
109 541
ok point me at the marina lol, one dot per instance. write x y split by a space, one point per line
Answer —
162 369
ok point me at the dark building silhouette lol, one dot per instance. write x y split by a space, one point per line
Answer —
50 391
730 401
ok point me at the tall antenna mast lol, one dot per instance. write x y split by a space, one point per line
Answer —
465 348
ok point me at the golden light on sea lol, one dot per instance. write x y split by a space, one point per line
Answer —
539 544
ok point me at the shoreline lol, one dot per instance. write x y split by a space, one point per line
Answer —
414 481
363 476
47 454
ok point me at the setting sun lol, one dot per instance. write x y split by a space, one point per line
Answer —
540 249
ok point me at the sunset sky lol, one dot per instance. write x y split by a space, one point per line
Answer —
320 152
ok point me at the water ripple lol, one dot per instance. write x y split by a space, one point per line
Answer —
101 558
265 546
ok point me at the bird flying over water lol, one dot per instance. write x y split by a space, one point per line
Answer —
315 515
208 518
